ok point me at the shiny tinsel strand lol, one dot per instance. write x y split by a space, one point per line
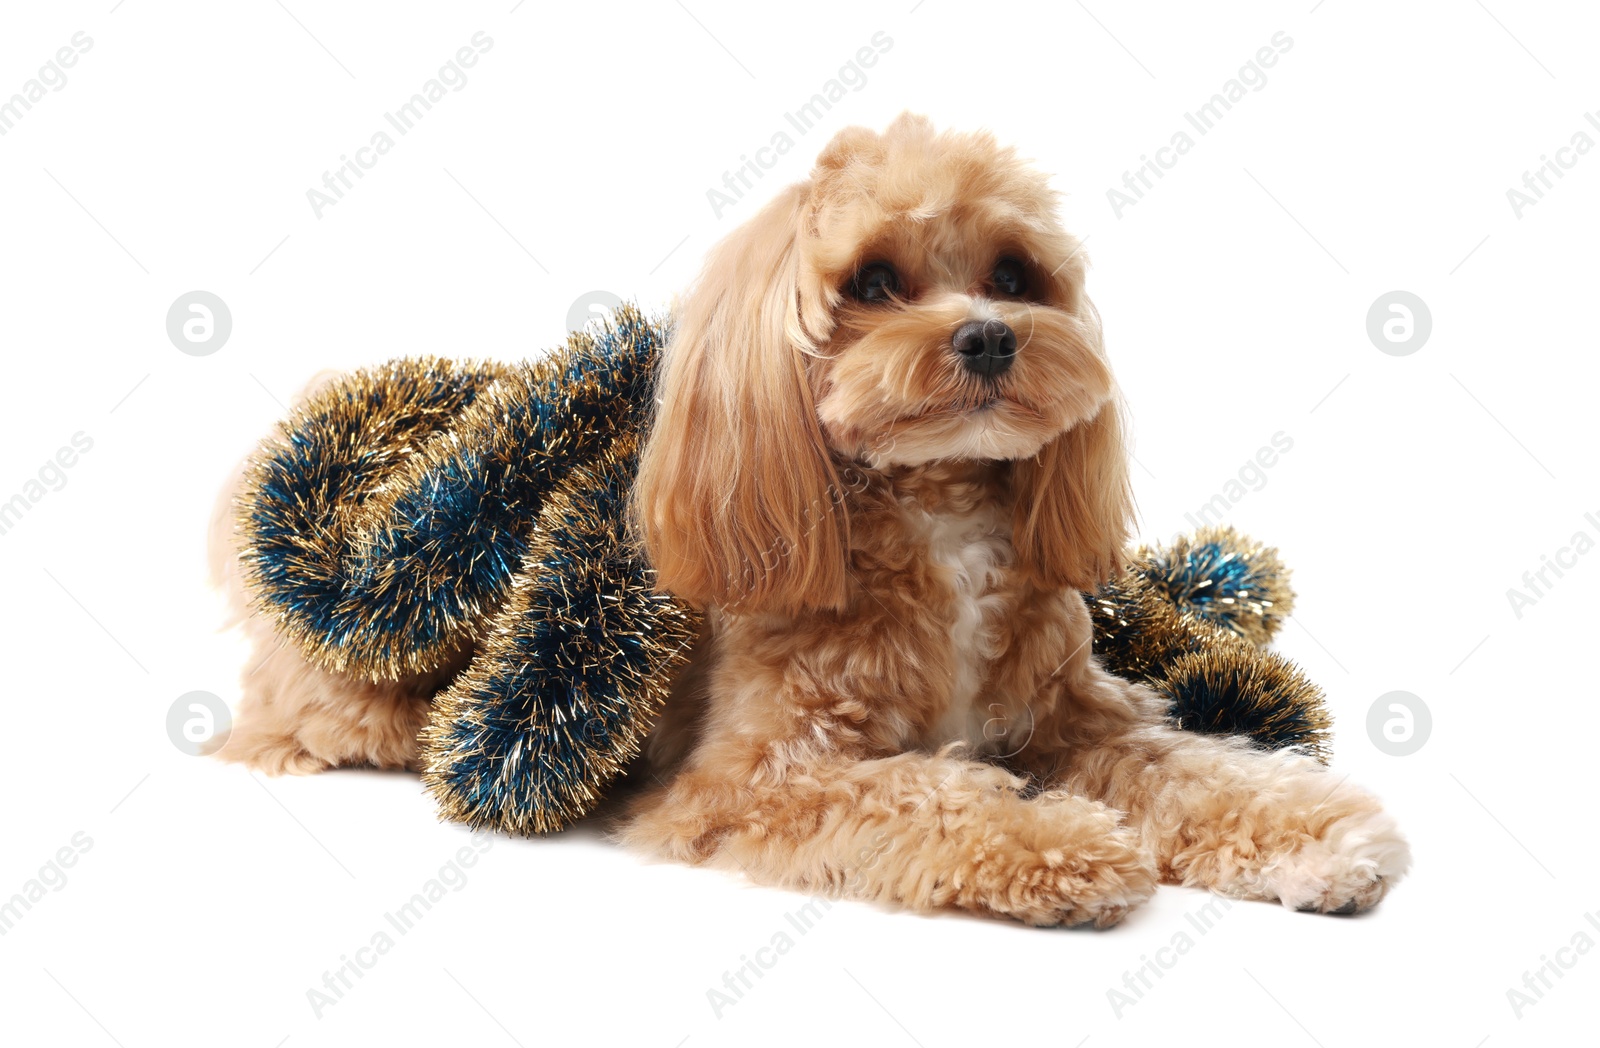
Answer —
1222 690
439 547
305 484
1136 633
400 558
574 670
1222 576
1214 680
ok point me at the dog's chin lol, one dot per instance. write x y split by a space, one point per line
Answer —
998 431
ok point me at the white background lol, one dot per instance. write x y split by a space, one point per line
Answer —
577 157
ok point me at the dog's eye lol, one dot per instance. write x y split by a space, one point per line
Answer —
875 282
1010 277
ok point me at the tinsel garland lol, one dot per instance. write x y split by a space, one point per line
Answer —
1223 577
304 488
1203 655
572 673
389 517
409 512
412 512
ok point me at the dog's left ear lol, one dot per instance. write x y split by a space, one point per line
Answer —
737 501
1074 504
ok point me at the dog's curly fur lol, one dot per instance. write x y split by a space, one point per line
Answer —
895 698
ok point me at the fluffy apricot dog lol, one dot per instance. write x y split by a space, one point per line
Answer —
887 459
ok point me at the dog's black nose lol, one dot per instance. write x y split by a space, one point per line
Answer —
987 347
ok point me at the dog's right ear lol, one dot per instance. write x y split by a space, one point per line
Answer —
737 502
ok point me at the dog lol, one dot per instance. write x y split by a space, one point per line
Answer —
888 459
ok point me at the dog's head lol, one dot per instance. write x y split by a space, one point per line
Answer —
914 301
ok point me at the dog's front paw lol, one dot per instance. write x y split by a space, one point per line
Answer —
1347 869
1088 878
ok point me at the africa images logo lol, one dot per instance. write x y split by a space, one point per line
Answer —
1251 78
451 77
852 76
1537 582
